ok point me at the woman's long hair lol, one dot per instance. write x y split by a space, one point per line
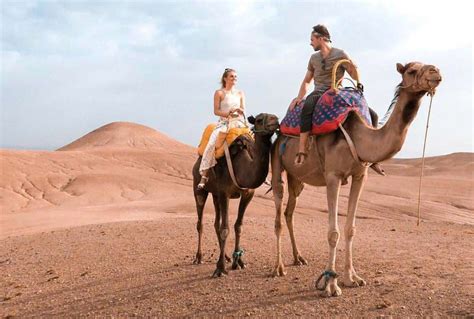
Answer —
224 75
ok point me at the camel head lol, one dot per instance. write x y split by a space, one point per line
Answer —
419 77
264 123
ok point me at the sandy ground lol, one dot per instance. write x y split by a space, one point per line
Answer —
106 227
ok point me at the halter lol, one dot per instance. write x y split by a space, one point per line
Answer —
265 128
415 84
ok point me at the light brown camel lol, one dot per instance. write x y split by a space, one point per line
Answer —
330 163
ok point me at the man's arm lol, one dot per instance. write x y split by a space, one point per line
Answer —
351 69
308 78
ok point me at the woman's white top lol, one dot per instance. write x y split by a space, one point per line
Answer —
231 100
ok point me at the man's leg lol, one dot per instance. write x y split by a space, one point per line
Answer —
375 119
306 125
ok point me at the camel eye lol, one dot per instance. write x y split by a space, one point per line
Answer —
412 72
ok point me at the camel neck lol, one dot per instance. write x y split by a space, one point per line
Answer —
376 145
254 162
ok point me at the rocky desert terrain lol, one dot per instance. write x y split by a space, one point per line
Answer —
106 227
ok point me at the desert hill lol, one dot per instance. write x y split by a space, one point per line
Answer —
125 135
127 163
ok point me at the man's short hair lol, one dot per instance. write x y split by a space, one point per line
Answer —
321 31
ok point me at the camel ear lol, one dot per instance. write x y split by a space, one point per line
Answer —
400 68
251 119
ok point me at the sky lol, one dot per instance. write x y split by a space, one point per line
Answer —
69 67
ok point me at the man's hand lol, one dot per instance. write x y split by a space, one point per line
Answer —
294 103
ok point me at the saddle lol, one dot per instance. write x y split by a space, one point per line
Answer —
228 137
331 110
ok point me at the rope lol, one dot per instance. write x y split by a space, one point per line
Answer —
423 159
326 275
238 253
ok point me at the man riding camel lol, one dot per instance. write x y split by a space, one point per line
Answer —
320 67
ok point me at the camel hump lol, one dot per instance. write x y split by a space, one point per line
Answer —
229 137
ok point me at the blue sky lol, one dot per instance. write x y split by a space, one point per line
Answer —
69 67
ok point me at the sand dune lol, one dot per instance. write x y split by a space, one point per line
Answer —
125 172
124 135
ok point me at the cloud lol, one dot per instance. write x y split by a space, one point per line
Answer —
158 63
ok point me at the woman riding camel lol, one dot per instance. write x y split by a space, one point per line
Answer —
229 105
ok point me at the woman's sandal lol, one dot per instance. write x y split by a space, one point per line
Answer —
300 158
202 182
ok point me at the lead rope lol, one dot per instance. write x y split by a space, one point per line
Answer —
423 159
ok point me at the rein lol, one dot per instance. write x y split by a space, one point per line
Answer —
431 93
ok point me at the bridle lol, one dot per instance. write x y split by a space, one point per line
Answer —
265 129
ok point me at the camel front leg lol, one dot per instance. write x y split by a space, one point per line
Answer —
277 186
327 282
217 221
350 277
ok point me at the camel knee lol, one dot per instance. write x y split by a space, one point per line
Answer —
350 232
238 228
288 215
277 186
200 200
333 238
223 233
278 227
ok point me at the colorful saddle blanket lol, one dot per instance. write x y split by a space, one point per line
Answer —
229 137
331 110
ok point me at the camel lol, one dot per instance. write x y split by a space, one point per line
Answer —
250 160
330 162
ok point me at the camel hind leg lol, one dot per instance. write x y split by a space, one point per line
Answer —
200 196
222 232
295 188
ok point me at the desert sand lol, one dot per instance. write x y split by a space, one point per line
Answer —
106 226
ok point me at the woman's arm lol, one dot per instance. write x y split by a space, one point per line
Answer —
217 102
242 101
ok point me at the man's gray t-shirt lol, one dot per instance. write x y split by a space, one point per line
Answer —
322 68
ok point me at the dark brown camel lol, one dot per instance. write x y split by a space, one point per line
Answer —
250 161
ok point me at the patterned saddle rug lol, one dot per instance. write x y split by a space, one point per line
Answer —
229 137
331 110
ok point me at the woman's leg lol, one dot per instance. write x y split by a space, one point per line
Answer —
208 157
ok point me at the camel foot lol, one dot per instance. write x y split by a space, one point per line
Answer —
238 261
327 283
198 259
353 281
299 261
279 271
238 264
219 273
332 289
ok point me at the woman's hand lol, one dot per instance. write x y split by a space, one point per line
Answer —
235 111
